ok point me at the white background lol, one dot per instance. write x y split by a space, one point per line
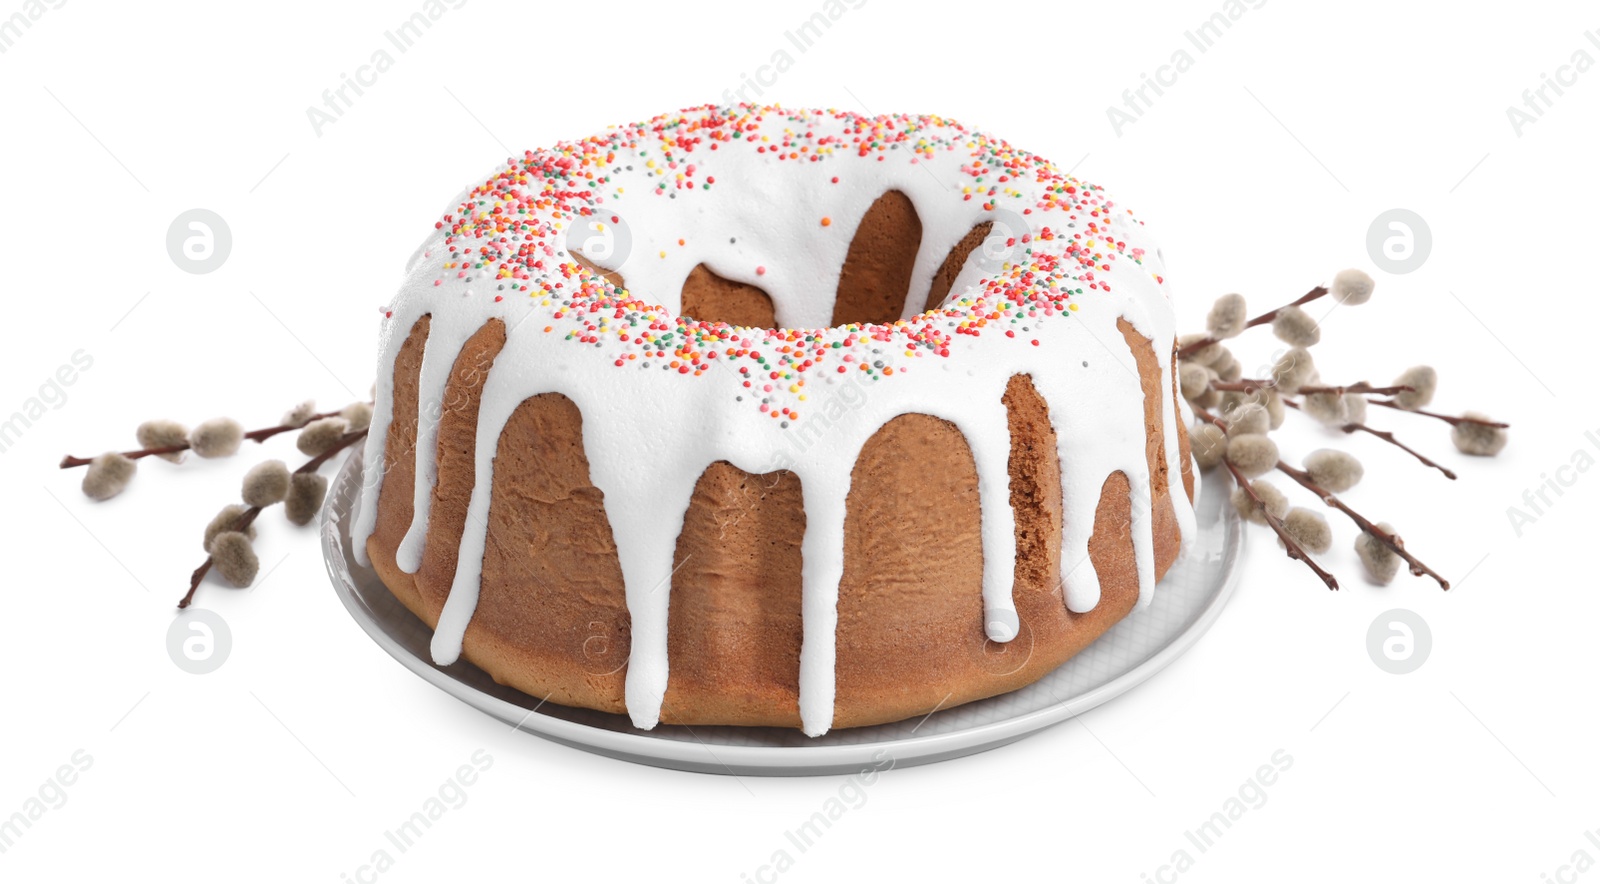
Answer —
1261 170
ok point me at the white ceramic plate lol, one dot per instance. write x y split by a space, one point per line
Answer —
1187 601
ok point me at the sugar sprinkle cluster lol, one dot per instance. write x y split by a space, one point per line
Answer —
508 229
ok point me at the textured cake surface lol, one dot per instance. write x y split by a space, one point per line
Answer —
759 416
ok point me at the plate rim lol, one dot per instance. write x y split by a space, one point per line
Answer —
699 756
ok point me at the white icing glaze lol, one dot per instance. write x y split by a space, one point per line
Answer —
438 358
650 431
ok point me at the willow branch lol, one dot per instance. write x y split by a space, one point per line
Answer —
1389 539
1452 420
1385 435
1292 546
1243 385
1360 387
1263 319
260 435
248 516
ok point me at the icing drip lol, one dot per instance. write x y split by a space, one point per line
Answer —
742 191
822 566
988 435
364 514
438 358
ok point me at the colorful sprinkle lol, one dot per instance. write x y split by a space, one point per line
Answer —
511 226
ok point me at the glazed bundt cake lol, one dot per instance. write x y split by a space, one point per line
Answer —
747 415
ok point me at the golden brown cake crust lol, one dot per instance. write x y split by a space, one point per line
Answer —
552 620
734 616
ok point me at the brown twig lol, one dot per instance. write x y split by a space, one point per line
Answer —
1386 436
239 524
249 515
70 461
1388 539
1452 420
1292 546
266 433
1243 385
1251 385
1295 550
1263 319
1360 387
260 435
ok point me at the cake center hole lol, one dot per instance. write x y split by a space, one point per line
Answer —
712 298
874 282
876 278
